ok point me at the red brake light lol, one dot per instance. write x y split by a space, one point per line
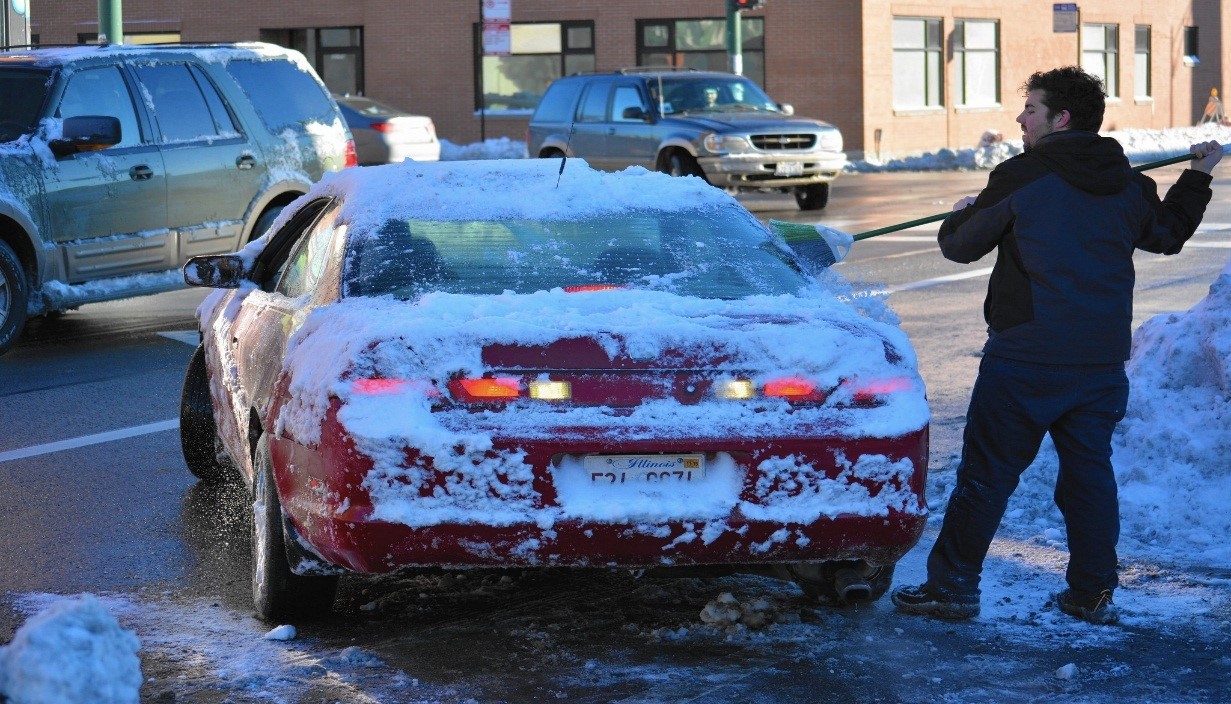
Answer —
380 386
587 288
485 390
793 389
352 156
382 127
873 392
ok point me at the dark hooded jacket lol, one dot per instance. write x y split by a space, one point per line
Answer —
1065 217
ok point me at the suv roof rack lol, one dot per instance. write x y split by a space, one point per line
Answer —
657 69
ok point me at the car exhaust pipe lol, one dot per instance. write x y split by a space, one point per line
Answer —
851 586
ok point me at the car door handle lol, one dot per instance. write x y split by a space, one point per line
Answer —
245 161
141 172
611 130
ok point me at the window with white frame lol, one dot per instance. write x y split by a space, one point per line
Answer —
1099 55
917 62
539 53
1141 62
976 54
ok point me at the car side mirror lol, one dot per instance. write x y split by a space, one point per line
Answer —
215 271
635 113
86 133
786 108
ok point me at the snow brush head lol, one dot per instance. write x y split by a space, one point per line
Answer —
821 246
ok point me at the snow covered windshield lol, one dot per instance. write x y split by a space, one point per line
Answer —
22 93
705 254
711 94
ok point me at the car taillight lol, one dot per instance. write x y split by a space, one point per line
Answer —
486 390
382 127
873 392
431 129
794 389
382 387
352 156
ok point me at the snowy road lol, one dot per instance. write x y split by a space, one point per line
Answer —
119 516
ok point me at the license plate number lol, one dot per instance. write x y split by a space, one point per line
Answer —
634 469
789 168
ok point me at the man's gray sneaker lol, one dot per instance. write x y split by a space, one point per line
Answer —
1097 608
922 600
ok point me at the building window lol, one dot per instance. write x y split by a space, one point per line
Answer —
539 53
134 37
1141 62
701 44
1099 55
976 53
335 52
1190 47
916 62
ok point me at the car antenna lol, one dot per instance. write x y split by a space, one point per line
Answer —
564 154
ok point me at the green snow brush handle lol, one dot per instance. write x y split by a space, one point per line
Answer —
941 216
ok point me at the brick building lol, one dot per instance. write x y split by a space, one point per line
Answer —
896 77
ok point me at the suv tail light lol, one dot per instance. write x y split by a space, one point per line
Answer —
382 127
352 156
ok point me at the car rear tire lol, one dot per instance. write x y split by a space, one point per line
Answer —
279 594
812 197
13 298
680 163
818 580
198 432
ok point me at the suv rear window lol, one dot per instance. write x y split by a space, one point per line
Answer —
22 93
283 95
557 104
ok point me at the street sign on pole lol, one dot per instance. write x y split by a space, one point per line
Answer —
497 16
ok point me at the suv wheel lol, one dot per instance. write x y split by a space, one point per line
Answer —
13 297
680 163
813 197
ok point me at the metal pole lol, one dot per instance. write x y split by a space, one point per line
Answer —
735 41
482 86
110 22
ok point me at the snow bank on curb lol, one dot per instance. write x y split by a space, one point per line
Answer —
1170 450
71 651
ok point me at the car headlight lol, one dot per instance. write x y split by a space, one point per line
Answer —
831 141
725 143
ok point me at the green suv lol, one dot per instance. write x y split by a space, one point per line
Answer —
118 163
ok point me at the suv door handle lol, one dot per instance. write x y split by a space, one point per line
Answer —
245 161
141 172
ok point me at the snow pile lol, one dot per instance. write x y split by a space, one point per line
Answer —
500 148
1170 450
72 652
1139 146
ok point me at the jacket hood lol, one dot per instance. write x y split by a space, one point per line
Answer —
1085 160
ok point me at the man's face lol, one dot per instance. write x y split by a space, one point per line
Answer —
1034 122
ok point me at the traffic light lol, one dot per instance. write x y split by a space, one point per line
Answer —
746 4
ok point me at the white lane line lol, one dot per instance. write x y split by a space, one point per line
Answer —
926 283
189 337
86 440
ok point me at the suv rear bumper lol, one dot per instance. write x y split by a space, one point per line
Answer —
764 170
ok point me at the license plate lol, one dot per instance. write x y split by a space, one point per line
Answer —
789 168
632 469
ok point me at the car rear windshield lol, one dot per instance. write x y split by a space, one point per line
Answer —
283 94
22 94
706 254
369 108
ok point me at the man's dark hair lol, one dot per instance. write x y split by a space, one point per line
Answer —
1070 88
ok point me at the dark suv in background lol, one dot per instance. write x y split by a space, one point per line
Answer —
118 163
719 126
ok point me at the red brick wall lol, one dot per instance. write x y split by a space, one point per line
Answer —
831 59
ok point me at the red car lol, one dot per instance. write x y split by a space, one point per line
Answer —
532 363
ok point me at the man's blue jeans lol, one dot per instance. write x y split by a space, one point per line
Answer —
1012 405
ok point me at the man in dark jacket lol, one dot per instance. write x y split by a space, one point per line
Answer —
1064 218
